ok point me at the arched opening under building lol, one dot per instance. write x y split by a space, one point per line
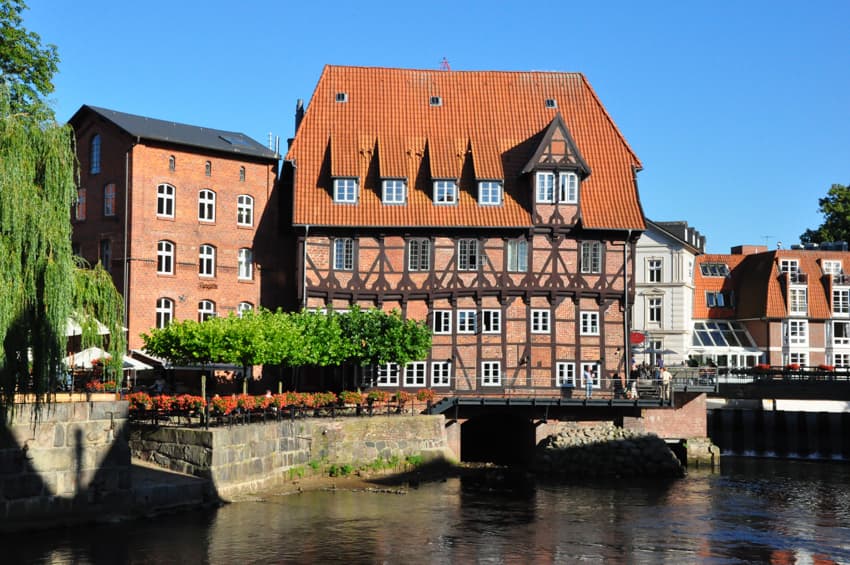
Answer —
497 438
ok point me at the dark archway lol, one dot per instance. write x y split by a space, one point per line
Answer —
497 438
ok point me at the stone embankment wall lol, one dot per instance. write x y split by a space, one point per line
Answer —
72 462
257 456
605 451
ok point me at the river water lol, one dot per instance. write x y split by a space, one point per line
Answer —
752 511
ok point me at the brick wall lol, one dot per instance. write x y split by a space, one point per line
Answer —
688 420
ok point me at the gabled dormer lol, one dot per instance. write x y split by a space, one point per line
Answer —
557 169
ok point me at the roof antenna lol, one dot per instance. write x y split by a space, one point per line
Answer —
444 65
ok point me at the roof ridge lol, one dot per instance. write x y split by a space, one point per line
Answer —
610 120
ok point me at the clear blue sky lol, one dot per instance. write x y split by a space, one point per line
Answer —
739 110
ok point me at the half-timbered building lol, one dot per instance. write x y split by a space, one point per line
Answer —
501 207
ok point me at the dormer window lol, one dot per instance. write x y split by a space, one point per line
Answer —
435 101
831 268
551 103
489 193
445 192
394 191
714 269
345 191
341 97
568 188
545 187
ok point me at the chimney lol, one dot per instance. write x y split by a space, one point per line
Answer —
299 113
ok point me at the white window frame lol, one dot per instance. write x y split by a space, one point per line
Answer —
801 358
387 374
419 255
841 301
589 323
491 321
594 371
798 302
797 332
831 267
654 305
415 374
541 321
244 307
441 373
468 258
516 252
245 210
343 254
591 257
245 264
467 321
715 299
165 201
565 373
491 373
445 192
544 187
845 340
568 188
206 310
165 257
164 312
489 193
346 190
654 270
206 205
841 359
442 322
394 191
206 260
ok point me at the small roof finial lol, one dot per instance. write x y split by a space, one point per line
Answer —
444 65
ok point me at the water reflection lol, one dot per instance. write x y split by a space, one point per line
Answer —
754 511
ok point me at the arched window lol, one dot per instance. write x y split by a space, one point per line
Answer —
244 307
94 155
206 205
206 310
244 210
206 260
172 163
165 258
246 264
165 201
242 174
164 312
208 168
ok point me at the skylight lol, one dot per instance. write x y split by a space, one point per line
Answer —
551 103
342 97
436 101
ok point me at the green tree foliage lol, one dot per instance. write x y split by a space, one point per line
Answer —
43 286
26 67
835 207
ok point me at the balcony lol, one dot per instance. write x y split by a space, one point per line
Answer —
794 277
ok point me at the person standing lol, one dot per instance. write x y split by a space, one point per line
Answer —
666 384
588 382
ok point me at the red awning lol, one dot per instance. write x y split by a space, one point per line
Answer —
636 337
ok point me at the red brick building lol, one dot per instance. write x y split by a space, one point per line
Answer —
501 207
178 214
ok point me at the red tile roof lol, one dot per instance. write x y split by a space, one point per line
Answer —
486 123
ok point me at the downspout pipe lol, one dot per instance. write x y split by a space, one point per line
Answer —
627 349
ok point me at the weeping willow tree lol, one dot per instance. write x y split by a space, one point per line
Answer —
43 286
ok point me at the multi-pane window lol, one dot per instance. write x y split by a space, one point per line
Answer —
654 306
172 163
491 321
343 259
517 255
206 205
491 373
467 255
841 359
653 267
94 162
441 373
545 182
797 332
165 258
789 266
414 374
540 321
591 256
165 200
419 255
245 264
841 301
565 374
841 332
345 190
799 300
206 310
388 374
589 323
445 192
241 174
715 299
394 191
244 307
109 199
714 269
831 268
80 206
206 260
467 321
489 193
208 168
244 210
568 188
164 312
798 358
442 321
590 371
106 254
